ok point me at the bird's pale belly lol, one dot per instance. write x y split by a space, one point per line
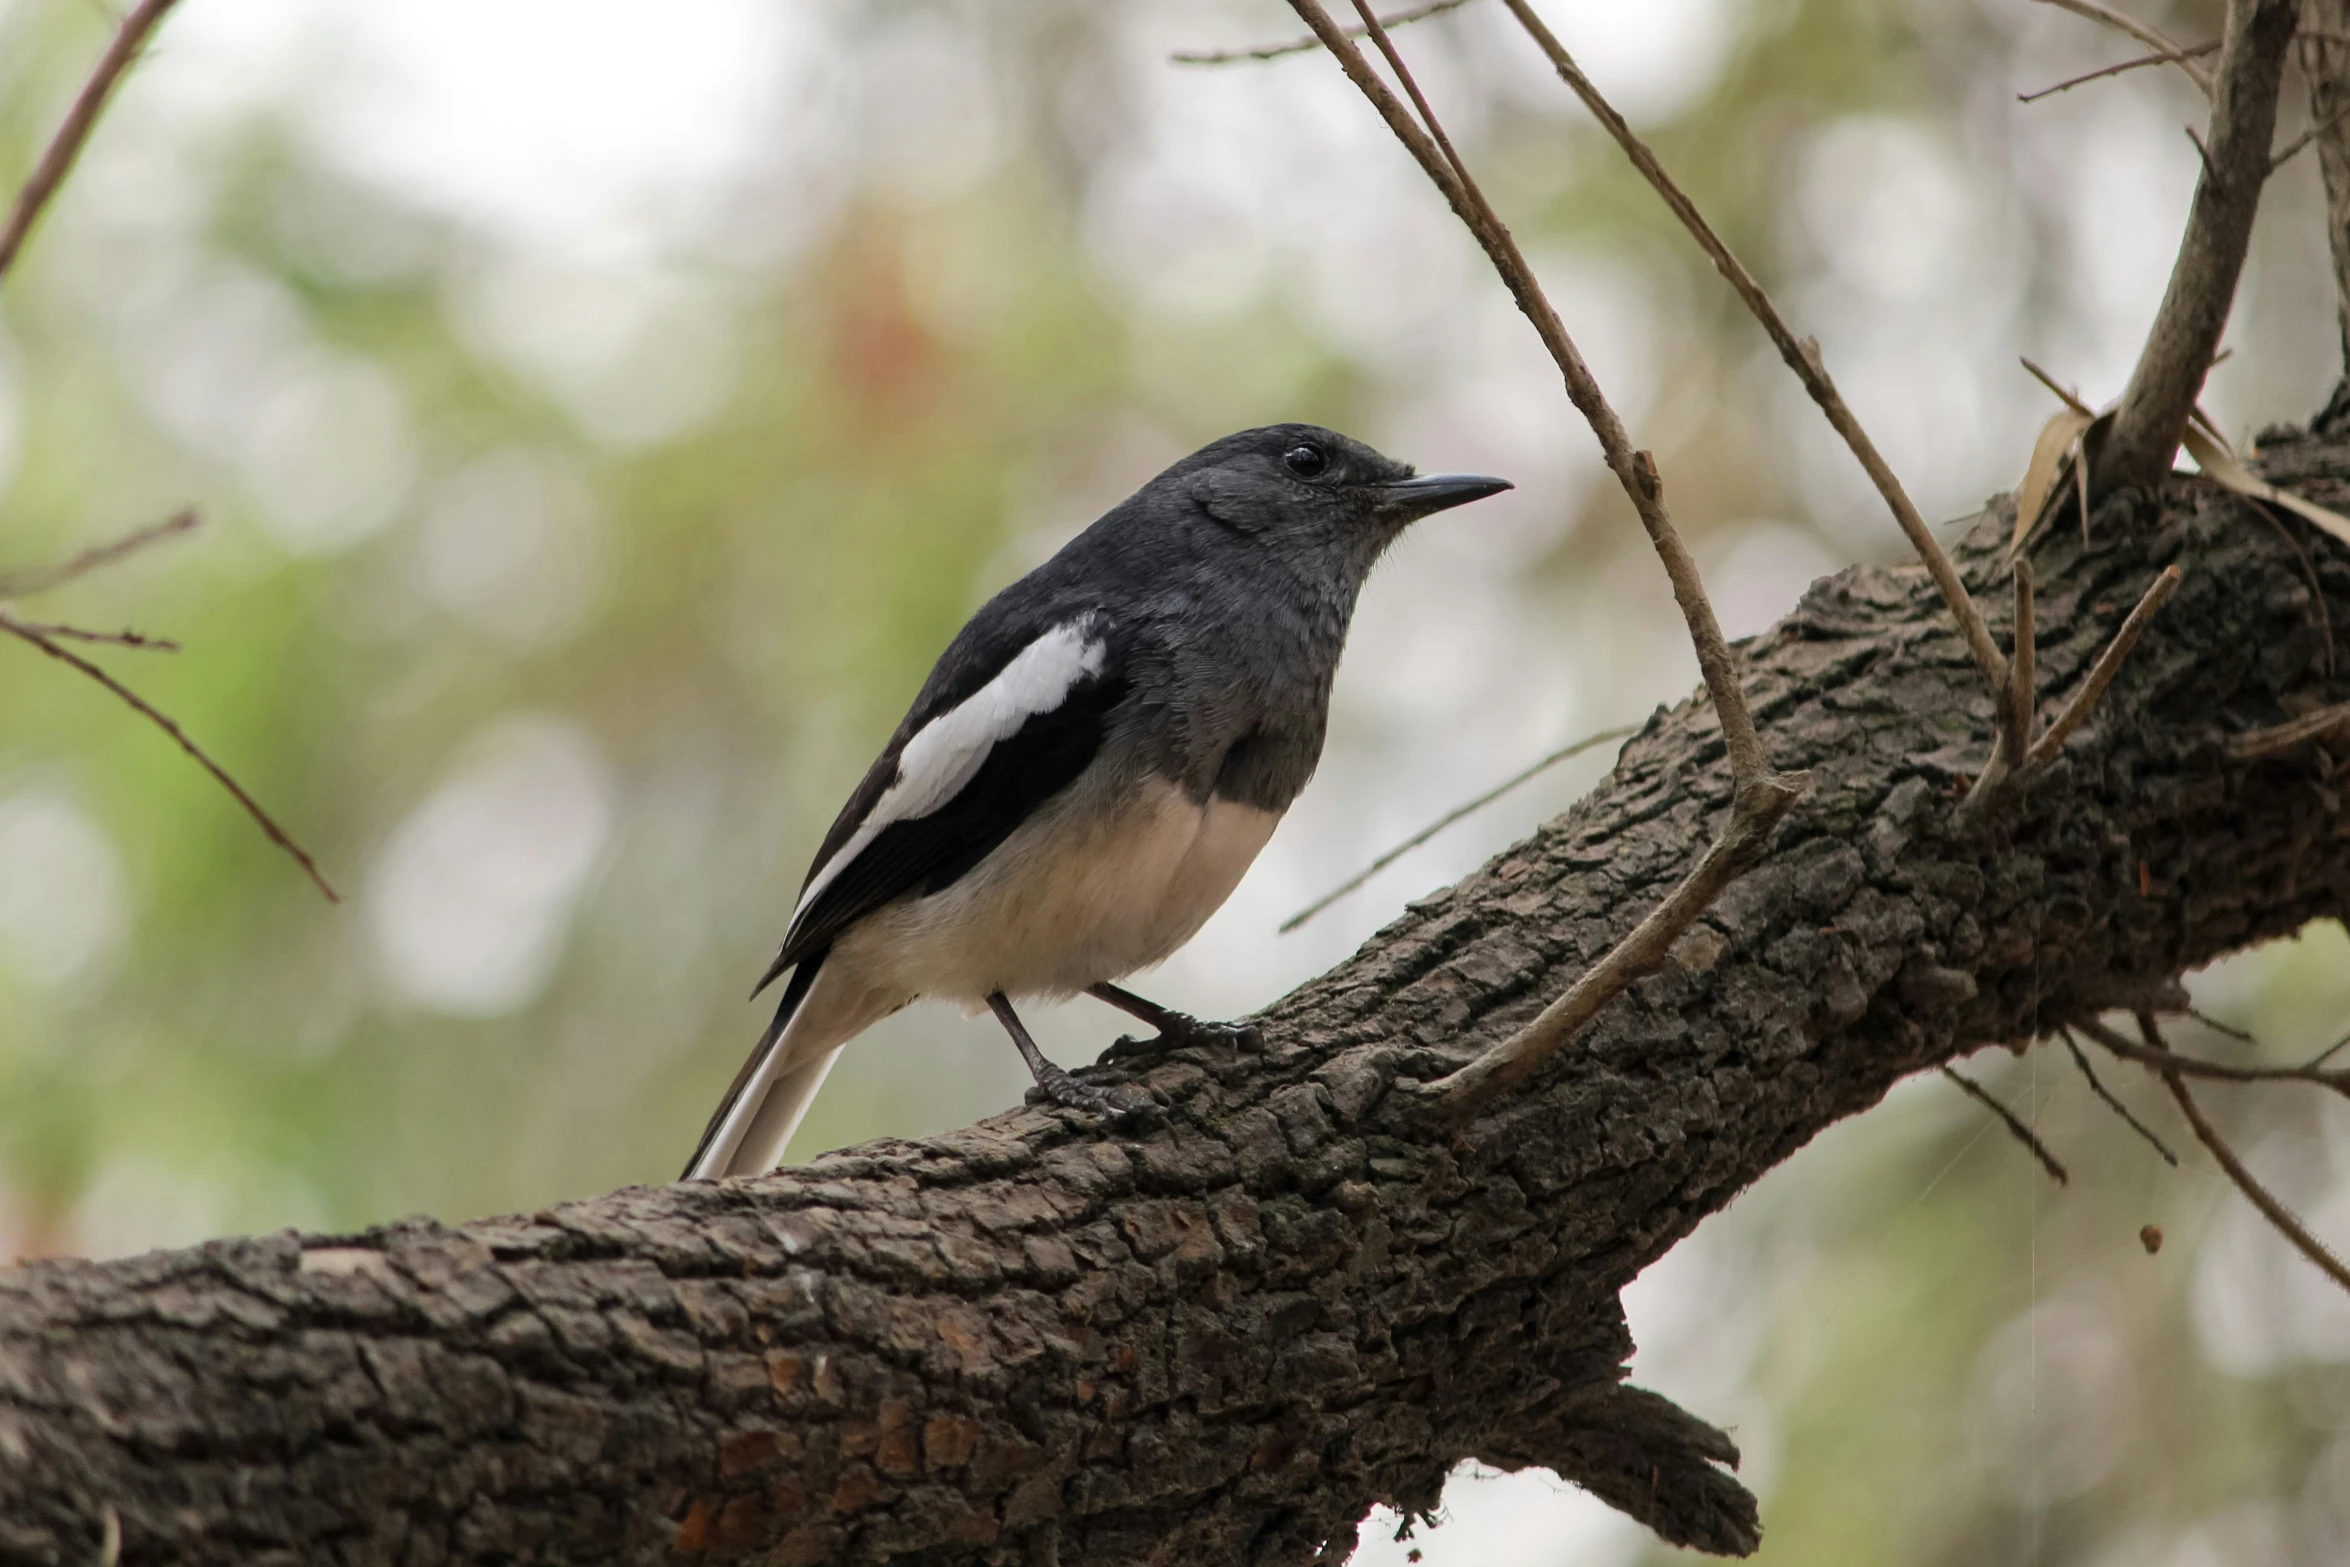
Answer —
1053 910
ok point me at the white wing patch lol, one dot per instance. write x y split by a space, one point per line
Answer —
946 753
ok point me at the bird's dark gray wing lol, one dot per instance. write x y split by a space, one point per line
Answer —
996 733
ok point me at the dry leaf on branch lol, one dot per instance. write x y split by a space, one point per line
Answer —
2220 465
2059 438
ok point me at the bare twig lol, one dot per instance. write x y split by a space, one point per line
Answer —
2104 1094
1802 355
2202 153
1649 944
1759 798
2279 738
2013 1122
1418 13
2069 398
2146 35
2243 1036
2335 1078
2169 374
57 161
163 721
2284 154
1467 808
2002 774
29 580
2287 1223
2022 700
2159 57
131 639
2329 1052
2325 70
2101 675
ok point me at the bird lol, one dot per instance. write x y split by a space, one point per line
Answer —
1093 763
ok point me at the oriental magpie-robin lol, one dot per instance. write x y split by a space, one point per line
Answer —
1093 763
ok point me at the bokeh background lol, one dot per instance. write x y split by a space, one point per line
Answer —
602 414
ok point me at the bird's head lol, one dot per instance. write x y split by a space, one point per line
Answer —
1301 488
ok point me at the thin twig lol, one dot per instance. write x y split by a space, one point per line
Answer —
1802 355
2284 154
131 639
2329 1052
2022 700
2278 738
2288 1224
2089 1074
66 145
29 580
2070 399
2172 52
2242 1036
2335 1078
163 721
2001 774
1419 13
1650 943
2101 675
1634 470
1467 808
2013 1122
2160 57
2203 153
2185 332
2081 482
1760 799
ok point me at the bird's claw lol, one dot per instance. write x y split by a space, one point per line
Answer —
1182 1030
1059 1088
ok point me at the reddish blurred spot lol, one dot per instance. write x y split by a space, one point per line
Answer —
882 357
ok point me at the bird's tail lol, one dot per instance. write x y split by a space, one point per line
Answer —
764 1107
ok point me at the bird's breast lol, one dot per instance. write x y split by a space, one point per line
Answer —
1098 884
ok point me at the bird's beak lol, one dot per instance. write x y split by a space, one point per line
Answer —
1407 499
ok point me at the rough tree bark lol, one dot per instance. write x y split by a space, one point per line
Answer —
1223 1337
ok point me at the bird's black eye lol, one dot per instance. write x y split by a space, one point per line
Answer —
1305 460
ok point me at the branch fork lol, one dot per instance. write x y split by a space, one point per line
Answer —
1760 798
49 638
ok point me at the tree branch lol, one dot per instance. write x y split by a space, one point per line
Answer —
2013 1122
2276 739
2283 1219
1465 809
57 161
2325 68
2159 57
1305 45
1224 1337
1802 355
2108 664
26 581
2149 36
2172 1063
2169 375
1759 798
41 638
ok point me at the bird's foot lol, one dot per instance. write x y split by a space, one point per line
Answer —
1056 1086
1178 1030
